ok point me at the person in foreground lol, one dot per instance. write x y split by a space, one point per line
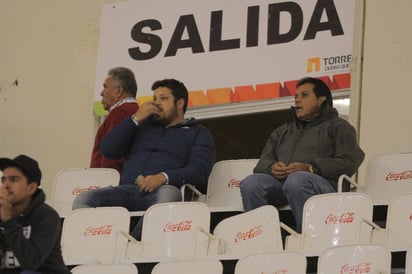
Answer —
119 99
29 228
164 151
305 157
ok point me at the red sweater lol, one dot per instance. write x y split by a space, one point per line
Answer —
115 116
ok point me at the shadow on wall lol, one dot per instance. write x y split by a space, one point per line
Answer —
243 136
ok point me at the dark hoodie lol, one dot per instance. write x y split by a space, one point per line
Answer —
31 241
328 142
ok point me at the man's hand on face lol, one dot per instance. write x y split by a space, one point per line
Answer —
146 109
5 204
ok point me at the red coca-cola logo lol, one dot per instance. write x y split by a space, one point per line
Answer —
282 271
181 226
79 190
251 233
95 231
233 183
405 175
356 269
345 218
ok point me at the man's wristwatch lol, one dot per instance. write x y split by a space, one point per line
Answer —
135 120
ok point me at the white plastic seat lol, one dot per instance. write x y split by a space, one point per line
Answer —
198 266
223 194
386 176
397 235
178 230
94 235
105 269
252 232
70 182
330 220
368 258
273 262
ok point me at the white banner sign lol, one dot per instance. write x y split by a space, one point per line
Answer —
227 51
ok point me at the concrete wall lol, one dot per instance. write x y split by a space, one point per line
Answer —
385 120
48 54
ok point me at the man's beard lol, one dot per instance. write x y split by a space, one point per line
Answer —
165 121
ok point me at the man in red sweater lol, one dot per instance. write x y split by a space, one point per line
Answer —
119 98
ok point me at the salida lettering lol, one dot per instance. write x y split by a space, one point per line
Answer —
186 32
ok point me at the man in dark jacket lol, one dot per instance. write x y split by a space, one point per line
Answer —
305 157
29 228
164 151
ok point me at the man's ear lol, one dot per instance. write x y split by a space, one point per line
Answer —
180 103
119 91
321 100
33 187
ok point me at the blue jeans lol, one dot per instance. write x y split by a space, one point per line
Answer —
127 196
29 272
262 189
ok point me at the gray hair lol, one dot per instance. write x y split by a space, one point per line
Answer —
124 77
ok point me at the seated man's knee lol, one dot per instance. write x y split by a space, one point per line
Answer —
293 183
248 183
82 200
168 193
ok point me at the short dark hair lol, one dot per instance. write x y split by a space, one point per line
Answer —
28 166
178 89
320 88
124 77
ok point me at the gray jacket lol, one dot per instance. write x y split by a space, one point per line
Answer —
328 143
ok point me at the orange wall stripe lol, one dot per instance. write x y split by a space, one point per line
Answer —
219 95
245 93
268 91
342 80
198 98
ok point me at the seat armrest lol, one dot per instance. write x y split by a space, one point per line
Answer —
199 195
343 178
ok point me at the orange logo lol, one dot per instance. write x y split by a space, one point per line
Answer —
97 231
252 233
345 218
313 62
181 226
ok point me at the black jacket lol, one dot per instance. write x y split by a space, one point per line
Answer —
32 240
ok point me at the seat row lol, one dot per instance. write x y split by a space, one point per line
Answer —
180 230
222 191
386 176
367 258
